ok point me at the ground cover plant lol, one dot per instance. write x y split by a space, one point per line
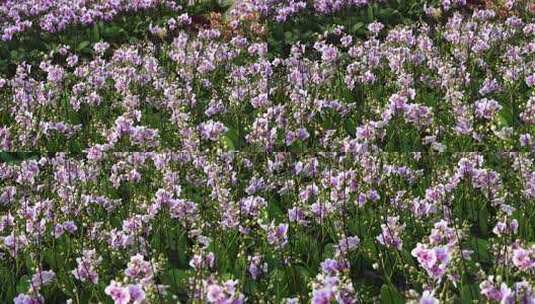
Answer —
267 151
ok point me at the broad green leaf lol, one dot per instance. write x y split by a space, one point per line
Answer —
82 45
484 220
390 295
23 284
481 249
469 293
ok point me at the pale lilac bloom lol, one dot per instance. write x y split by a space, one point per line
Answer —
428 297
212 130
42 278
487 108
524 259
119 294
277 235
87 267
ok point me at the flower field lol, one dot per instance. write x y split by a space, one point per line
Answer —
267 151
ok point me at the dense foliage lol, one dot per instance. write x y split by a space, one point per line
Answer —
267 151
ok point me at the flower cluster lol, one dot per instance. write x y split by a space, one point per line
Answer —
53 16
187 221
210 163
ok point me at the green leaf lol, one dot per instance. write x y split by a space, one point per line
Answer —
230 139
96 32
82 45
504 119
176 277
371 16
350 127
484 220
469 293
279 280
274 210
23 284
390 295
228 143
14 55
29 262
386 13
289 36
481 249
303 272
225 3
407 257
357 26
328 250
6 157
113 31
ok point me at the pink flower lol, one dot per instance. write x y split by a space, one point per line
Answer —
487 108
136 293
329 53
225 293
530 80
15 243
425 256
138 268
389 236
42 278
87 264
428 297
503 295
434 260
26 299
523 259
215 293
278 235
119 295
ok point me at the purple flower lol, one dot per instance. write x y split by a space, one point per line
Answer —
390 233
139 269
137 295
27 299
530 80
87 264
277 235
15 243
257 266
119 295
503 294
225 293
434 260
524 259
42 278
489 86
347 244
100 47
329 53
330 266
428 298
252 205
375 27
202 261
322 296
70 227
487 108
212 130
